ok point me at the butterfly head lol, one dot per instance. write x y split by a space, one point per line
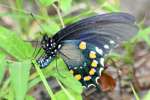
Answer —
47 43
50 48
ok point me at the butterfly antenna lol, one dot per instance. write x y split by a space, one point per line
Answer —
37 23
57 68
37 41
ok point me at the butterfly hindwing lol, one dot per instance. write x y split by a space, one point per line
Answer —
71 54
84 60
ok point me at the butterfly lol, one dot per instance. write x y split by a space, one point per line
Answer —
83 46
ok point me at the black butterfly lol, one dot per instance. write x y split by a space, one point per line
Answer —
84 44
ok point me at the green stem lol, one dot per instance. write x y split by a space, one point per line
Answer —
65 91
49 90
59 15
134 92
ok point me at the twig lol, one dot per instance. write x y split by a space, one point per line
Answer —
134 92
59 14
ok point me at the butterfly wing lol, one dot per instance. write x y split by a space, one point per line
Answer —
119 26
91 37
101 30
84 60
71 54
106 82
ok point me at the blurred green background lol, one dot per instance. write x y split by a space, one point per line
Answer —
19 33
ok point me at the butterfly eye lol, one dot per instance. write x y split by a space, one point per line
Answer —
45 42
45 37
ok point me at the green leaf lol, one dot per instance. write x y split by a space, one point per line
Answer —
13 45
110 7
51 28
2 65
62 96
63 75
147 96
28 97
70 82
47 2
65 5
11 94
144 33
34 82
19 75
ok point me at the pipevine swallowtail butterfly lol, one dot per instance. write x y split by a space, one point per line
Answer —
83 45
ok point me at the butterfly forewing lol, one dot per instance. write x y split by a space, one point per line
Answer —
98 23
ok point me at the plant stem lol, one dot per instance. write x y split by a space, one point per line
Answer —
59 14
65 91
49 90
134 92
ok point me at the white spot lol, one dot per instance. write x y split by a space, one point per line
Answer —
42 60
54 43
91 85
47 60
112 42
52 52
75 67
99 50
100 71
96 80
55 50
47 44
106 46
51 44
80 67
102 61
93 52
84 87
59 46
95 61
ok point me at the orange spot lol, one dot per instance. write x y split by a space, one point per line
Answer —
82 45
92 71
92 54
94 63
87 78
78 76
